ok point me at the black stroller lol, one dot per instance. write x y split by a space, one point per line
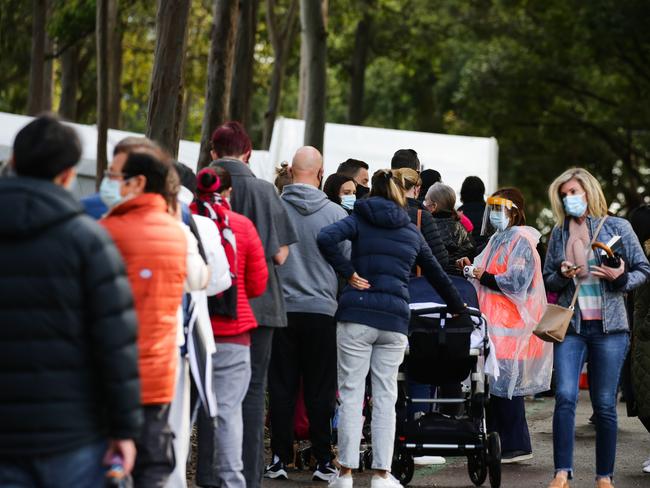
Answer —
440 352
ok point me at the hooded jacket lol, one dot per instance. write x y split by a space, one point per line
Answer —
154 248
309 283
68 358
455 238
258 200
385 247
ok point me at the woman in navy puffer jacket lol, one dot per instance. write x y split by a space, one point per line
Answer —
373 316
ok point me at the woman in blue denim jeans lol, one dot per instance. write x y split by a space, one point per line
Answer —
599 328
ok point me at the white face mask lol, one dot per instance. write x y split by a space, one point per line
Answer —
347 201
109 192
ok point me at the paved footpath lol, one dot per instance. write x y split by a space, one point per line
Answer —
633 449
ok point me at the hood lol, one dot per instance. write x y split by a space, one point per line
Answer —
31 205
382 213
306 199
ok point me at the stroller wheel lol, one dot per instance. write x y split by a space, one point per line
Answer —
403 466
494 459
477 467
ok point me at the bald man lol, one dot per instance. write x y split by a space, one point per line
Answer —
306 349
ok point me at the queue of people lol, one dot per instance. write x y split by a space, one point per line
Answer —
219 280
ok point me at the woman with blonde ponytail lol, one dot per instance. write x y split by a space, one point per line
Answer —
410 183
373 315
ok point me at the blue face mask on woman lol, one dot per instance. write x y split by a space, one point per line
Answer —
499 220
575 205
347 201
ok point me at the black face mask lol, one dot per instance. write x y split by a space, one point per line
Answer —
362 191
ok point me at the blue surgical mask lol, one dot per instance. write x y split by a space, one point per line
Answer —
575 205
347 201
499 220
109 192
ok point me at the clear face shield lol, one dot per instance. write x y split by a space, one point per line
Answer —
497 215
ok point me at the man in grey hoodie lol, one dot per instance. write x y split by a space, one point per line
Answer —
306 349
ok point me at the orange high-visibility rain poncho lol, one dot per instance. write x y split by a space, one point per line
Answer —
525 361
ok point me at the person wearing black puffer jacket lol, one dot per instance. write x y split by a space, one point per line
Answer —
440 200
69 385
405 165
373 316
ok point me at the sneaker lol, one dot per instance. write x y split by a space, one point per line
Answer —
388 482
429 460
646 463
277 470
515 457
325 472
646 468
340 481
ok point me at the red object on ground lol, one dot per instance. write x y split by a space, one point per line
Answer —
584 381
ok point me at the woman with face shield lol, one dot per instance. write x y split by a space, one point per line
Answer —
508 280
599 328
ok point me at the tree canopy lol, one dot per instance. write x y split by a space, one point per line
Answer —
559 83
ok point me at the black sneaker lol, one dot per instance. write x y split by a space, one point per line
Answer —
325 472
277 470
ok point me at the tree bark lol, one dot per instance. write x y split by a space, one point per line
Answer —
358 65
115 32
166 94
48 74
102 87
220 63
69 83
281 41
314 37
35 96
242 72
302 77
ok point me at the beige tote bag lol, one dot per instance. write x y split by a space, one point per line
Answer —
556 319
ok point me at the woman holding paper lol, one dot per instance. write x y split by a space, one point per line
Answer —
599 328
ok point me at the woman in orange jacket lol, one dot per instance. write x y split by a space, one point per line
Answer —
511 294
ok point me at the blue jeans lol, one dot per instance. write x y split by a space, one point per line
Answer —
81 468
605 354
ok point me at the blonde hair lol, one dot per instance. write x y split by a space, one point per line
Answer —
407 178
443 195
597 205
386 185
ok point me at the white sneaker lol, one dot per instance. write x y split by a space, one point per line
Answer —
388 482
646 463
646 468
429 460
339 481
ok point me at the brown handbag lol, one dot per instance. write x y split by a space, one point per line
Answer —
556 319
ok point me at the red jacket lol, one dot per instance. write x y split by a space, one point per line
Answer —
252 274
154 249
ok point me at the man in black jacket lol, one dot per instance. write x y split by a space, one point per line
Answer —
408 158
69 386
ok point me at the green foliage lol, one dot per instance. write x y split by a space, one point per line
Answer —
558 83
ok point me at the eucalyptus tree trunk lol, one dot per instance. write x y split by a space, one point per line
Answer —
314 37
220 62
241 92
281 38
35 95
166 94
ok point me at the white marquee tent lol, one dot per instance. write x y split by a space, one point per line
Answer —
455 157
